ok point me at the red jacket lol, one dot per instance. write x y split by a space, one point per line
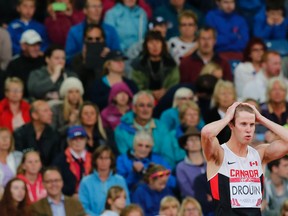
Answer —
6 115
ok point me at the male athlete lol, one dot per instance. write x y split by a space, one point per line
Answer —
234 169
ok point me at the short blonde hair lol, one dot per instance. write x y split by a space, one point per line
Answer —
210 68
181 92
219 85
16 80
143 135
188 105
131 208
194 202
168 201
271 83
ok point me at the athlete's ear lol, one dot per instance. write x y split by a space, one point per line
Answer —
231 125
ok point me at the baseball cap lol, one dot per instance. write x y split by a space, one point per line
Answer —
116 55
159 20
30 37
76 131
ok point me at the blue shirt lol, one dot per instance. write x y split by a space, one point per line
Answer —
58 209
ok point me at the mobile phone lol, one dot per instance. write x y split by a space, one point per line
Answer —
93 55
59 6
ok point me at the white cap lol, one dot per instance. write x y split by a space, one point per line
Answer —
30 37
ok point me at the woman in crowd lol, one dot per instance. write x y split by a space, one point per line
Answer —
14 201
132 210
169 206
9 159
190 207
103 173
29 172
149 194
14 111
66 113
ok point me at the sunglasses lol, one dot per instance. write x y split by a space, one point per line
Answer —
94 39
160 174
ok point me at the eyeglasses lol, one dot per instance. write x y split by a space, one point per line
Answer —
51 181
147 146
94 39
142 105
187 24
160 174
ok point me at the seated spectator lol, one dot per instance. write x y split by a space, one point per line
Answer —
132 210
155 69
75 162
103 165
169 206
5 48
194 163
276 107
29 172
170 11
75 37
205 54
115 201
66 113
9 159
185 44
113 72
224 96
273 26
284 208
141 119
62 16
90 119
30 58
26 10
56 203
14 200
14 111
212 68
45 82
251 64
120 101
149 194
232 29
129 20
190 206
133 164
38 135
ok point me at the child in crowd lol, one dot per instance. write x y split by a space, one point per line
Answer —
132 210
213 69
115 201
26 10
190 207
29 172
169 206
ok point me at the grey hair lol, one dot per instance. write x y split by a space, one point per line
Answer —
271 83
143 135
181 92
140 93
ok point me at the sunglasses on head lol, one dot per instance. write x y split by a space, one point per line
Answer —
93 39
160 174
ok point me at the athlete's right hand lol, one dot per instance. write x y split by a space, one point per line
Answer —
231 110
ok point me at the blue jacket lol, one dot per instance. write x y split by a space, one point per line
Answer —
148 199
17 27
232 30
125 168
163 140
75 39
130 24
93 192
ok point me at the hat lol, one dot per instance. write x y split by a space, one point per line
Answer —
76 131
69 83
159 20
191 131
116 55
30 37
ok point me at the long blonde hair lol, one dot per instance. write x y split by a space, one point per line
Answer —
67 108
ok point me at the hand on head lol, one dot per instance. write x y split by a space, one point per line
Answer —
231 110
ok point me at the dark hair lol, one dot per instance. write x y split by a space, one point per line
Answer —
122 2
152 168
51 168
248 48
205 29
97 153
7 206
49 51
276 162
90 27
275 5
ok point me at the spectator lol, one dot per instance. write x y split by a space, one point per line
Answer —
26 10
30 58
103 164
133 164
9 159
284 208
170 12
190 206
93 11
14 200
251 64
56 203
75 162
29 172
141 119
150 193
113 72
5 48
14 111
130 25
132 210
45 82
66 113
256 88
61 19
194 163
204 55
203 5
115 201
185 44
38 135
169 206
212 68
232 29
155 69
120 101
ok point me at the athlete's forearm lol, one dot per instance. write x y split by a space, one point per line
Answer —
213 129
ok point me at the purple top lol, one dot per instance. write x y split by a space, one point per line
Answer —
8 174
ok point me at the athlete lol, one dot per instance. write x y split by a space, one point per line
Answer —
235 169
